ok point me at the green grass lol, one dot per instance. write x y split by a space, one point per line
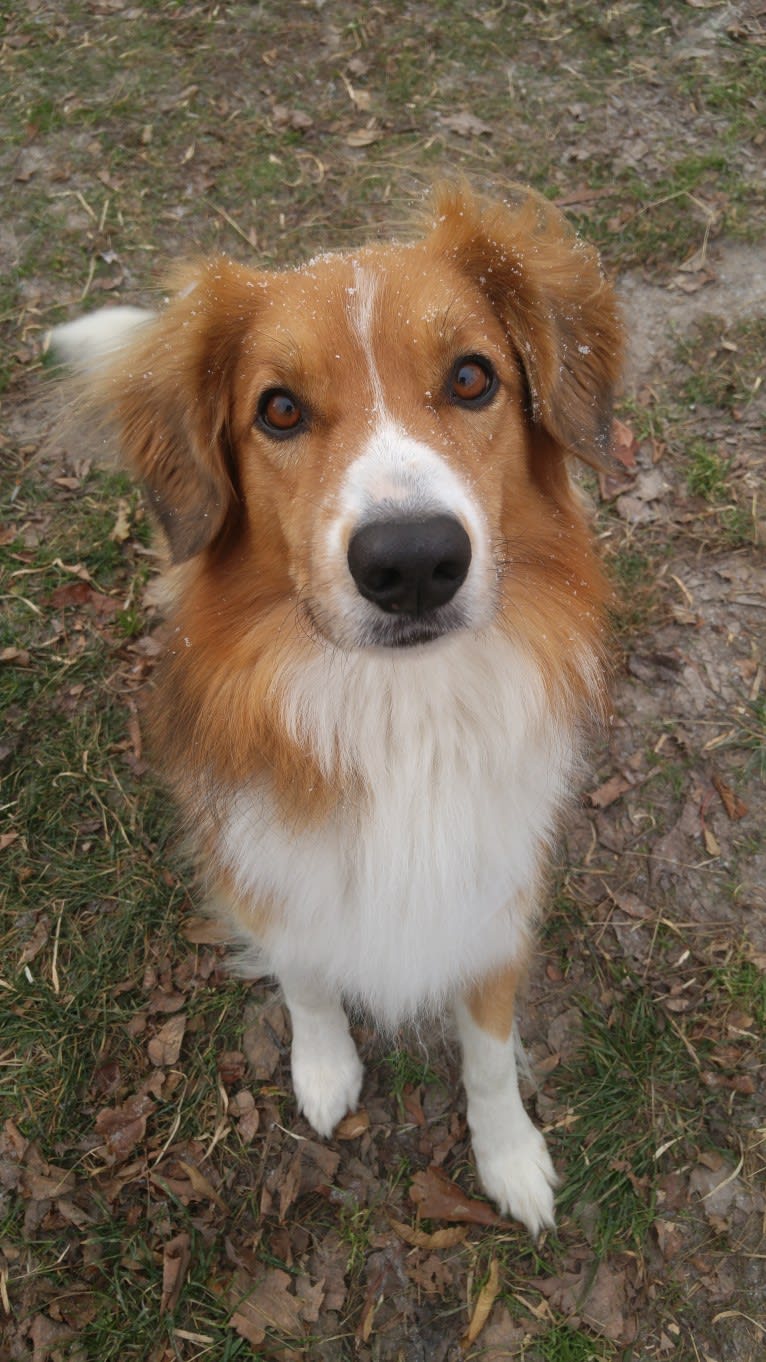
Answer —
565 1344
405 1071
707 472
632 1087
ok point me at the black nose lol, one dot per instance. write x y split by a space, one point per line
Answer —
410 566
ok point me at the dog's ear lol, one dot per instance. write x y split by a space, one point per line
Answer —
557 309
165 381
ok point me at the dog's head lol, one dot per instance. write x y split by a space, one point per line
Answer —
381 436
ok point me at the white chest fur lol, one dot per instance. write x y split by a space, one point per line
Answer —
416 888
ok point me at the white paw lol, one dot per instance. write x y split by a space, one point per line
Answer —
327 1081
521 1179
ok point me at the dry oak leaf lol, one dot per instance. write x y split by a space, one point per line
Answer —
437 1198
165 1047
270 1304
598 1300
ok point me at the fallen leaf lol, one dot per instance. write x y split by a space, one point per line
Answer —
231 1067
20 655
624 444
165 1047
433 1275
42 1181
711 842
484 1302
124 1126
39 935
467 125
609 792
71 593
437 1198
731 802
352 1126
363 137
202 1185
121 528
269 1305
597 1299
176 1255
438 1240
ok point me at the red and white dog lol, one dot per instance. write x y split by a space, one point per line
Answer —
386 617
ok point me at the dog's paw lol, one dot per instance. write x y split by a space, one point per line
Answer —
521 1178
327 1081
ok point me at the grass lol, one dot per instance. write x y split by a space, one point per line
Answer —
627 1097
564 1344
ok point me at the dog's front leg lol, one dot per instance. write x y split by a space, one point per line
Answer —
327 1071
511 1156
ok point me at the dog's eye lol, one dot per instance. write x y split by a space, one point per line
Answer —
279 413
473 381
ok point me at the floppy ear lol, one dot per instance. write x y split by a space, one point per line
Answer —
558 311
166 385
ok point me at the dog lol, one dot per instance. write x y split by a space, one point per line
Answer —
387 618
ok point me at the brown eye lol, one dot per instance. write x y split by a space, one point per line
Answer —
473 381
279 413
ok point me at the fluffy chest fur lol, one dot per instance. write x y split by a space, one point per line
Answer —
453 767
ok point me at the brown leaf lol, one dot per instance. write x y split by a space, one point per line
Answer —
437 1198
711 841
352 1126
599 1300
231 1067
363 137
165 1047
20 655
202 1186
438 1240
176 1255
71 593
264 1027
607 793
121 528
36 941
7 839
46 1335
42 1181
731 802
484 1302
624 444
268 1305
124 1126
433 1275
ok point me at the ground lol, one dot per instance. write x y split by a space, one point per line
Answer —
159 1198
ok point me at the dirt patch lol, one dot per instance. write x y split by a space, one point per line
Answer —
729 283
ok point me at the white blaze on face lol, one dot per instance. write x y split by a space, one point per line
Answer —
361 313
395 475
